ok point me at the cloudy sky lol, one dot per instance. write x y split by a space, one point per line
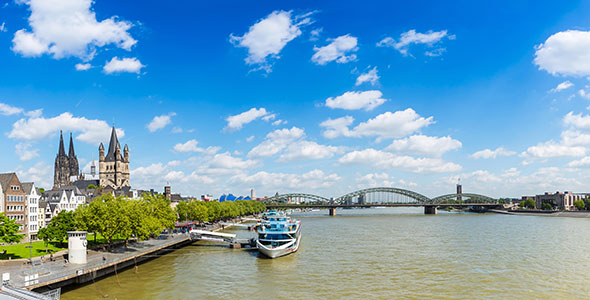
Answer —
322 98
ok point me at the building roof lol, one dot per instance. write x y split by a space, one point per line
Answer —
27 187
42 204
83 184
113 145
5 179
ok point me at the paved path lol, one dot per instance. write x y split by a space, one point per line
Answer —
49 272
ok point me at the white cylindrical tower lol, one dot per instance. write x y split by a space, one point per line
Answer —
77 247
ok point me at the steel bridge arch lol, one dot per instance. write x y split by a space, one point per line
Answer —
477 197
298 195
417 196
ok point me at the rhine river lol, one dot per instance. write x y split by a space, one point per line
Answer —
389 253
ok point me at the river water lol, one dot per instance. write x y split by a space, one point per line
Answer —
389 253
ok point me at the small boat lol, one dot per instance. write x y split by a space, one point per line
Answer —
278 236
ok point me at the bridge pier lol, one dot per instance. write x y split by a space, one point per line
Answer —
430 210
332 212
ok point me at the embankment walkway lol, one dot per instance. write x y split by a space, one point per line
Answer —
58 273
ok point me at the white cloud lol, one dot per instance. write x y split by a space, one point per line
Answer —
8 110
314 179
308 150
314 35
410 37
562 86
386 160
583 162
83 67
276 141
337 127
565 53
250 138
225 163
159 122
236 122
69 28
39 174
386 125
3 27
552 149
582 93
425 145
366 100
24 151
279 122
189 146
370 76
129 65
577 121
487 153
381 180
269 36
338 50
34 113
92 131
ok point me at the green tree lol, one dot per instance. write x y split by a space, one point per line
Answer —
9 230
547 206
579 204
45 235
529 203
60 225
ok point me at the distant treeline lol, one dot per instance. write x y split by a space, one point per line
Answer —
215 211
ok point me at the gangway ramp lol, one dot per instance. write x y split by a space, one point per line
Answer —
220 237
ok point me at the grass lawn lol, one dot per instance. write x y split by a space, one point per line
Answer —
17 251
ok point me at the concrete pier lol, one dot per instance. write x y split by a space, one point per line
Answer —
332 212
430 210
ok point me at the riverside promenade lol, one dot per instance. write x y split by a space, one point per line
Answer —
51 275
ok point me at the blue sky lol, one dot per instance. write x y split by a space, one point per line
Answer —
305 96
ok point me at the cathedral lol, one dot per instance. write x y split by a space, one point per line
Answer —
66 166
114 167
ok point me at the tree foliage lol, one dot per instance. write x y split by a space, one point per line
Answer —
215 211
126 218
579 204
60 225
529 203
9 230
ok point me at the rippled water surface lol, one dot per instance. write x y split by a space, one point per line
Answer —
378 254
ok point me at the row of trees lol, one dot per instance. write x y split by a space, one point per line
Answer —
114 217
215 211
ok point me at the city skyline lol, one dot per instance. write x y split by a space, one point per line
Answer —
324 98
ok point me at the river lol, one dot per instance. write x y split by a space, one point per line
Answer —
388 253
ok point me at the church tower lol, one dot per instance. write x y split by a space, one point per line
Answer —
114 166
73 160
61 171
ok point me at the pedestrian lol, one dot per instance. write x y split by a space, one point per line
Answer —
50 256
104 258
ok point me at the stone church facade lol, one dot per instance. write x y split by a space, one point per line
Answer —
66 166
114 166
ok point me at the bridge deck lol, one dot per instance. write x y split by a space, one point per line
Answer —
367 205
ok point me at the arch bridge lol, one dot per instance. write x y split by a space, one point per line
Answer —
381 196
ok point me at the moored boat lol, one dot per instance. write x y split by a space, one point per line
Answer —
278 236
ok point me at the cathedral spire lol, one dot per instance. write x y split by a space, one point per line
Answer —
71 152
62 151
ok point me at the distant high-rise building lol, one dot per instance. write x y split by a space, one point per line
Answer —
459 190
168 192
253 194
